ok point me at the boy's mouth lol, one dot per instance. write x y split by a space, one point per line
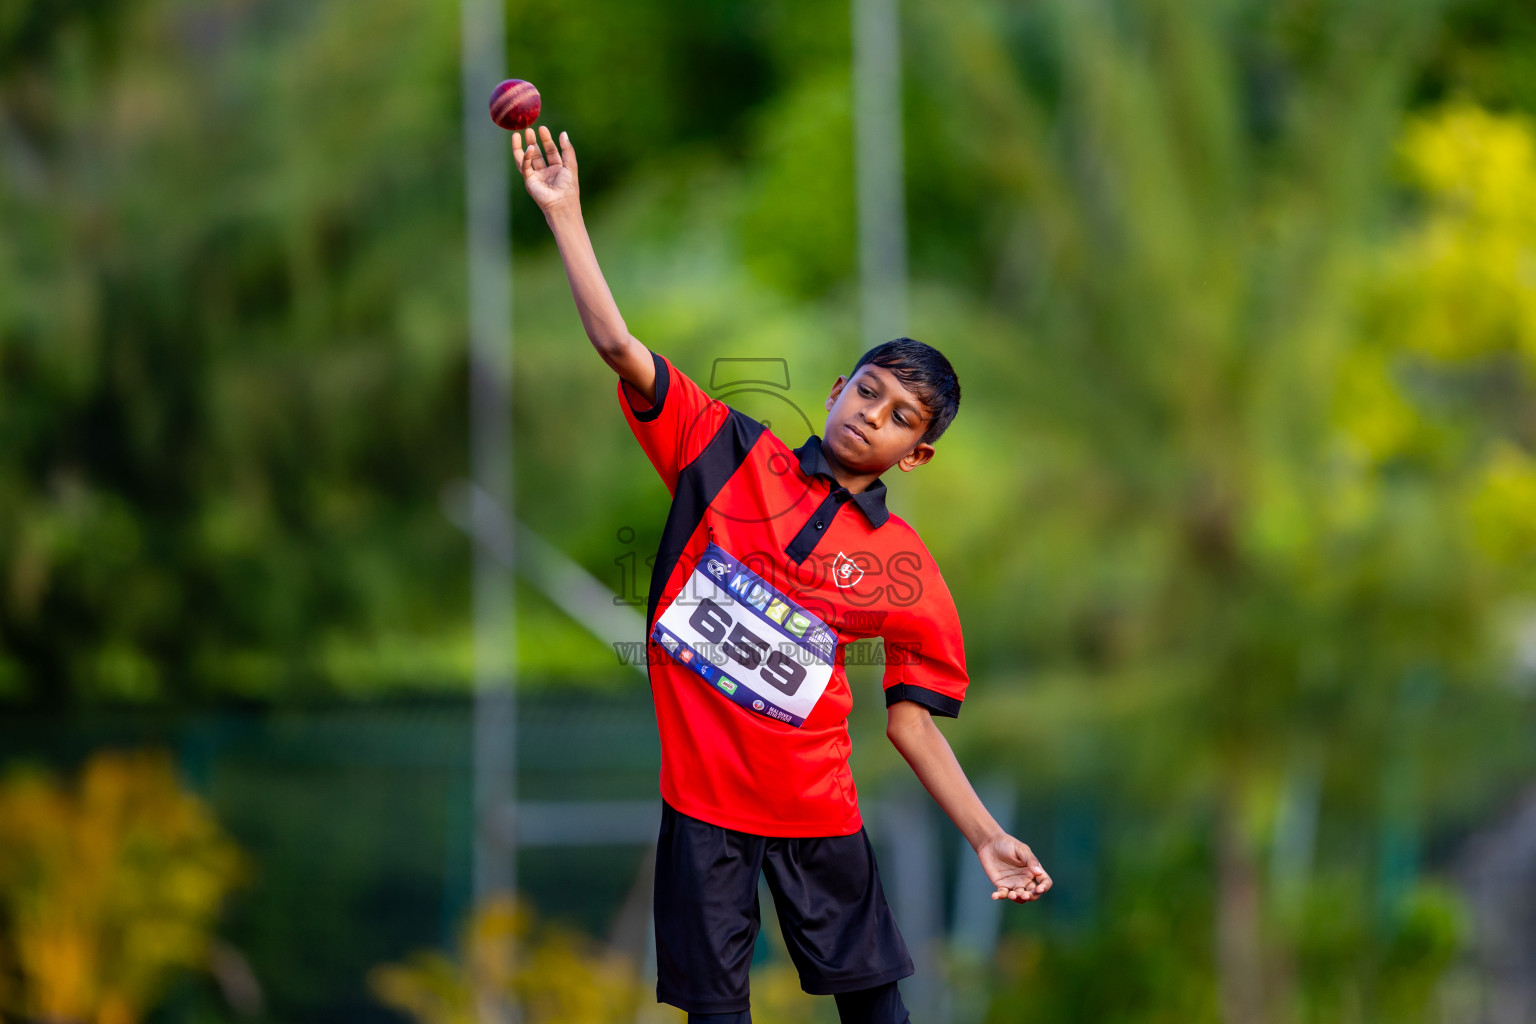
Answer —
850 428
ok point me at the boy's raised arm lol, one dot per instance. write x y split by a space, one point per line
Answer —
550 177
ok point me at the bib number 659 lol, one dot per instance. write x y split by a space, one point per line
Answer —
776 668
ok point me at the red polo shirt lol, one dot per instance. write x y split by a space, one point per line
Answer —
767 569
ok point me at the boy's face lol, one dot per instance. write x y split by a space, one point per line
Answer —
874 422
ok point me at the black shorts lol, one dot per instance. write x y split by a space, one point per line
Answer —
840 932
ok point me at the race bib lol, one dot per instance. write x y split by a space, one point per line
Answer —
747 640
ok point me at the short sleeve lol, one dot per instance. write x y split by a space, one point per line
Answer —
925 651
678 425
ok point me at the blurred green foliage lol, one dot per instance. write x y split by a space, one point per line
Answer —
1239 292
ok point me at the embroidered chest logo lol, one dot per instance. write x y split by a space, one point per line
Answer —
845 571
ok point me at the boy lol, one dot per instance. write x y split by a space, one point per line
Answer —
763 576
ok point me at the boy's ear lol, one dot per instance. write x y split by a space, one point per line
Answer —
837 389
919 455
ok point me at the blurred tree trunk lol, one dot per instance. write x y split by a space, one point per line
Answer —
1239 942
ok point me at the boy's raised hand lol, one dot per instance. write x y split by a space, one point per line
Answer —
549 174
1014 869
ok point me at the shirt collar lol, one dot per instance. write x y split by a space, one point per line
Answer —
871 500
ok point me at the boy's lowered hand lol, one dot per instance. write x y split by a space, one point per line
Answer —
1013 868
548 174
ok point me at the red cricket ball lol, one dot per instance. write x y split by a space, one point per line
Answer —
515 104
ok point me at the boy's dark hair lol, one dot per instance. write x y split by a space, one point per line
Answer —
925 371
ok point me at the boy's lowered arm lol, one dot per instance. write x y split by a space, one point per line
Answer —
550 177
1010 864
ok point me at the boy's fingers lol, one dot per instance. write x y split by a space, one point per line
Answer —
567 151
536 159
551 154
1030 890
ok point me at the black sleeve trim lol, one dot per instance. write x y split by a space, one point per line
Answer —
698 484
663 378
945 707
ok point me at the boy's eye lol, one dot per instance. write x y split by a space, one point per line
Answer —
900 419
866 392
